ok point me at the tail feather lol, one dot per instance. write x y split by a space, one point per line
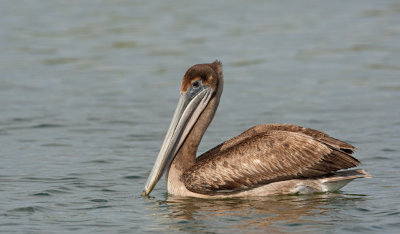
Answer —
341 178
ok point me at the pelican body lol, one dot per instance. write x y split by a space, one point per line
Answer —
264 160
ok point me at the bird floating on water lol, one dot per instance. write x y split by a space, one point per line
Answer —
264 160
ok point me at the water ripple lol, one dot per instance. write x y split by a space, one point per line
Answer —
27 209
47 125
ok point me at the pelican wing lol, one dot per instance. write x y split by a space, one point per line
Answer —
265 154
264 128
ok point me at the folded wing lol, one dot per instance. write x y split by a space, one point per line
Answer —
265 154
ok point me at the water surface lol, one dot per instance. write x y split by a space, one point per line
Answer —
87 90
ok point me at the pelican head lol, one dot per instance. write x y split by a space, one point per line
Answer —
201 86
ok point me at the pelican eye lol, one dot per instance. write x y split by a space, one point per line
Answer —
196 84
195 88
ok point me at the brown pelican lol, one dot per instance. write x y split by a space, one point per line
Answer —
264 160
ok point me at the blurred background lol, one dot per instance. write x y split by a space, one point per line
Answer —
88 88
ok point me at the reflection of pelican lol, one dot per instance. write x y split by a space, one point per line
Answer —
264 160
254 214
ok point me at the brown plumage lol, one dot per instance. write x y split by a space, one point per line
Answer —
264 160
265 154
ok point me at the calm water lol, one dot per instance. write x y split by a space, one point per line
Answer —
87 90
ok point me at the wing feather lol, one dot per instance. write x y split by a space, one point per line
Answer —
265 154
